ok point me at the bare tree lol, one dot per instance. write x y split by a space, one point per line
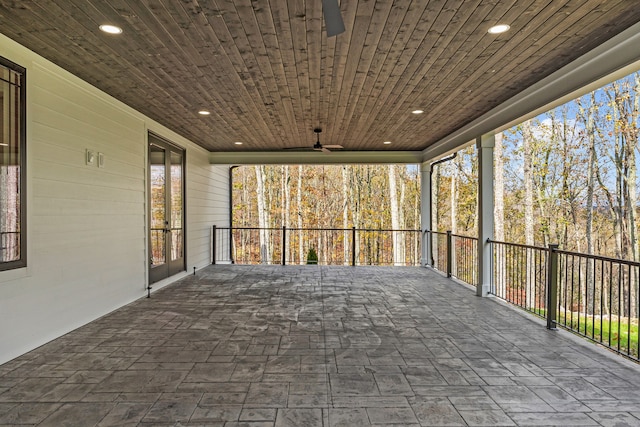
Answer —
527 146
345 214
455 166
299 215
398 249
498 192
263 217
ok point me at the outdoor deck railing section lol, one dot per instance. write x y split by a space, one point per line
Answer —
440 253
598 299
465 258
333 246
520 276
455 255
593 296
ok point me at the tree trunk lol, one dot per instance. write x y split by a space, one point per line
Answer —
395 221
498 216
625 107
301 258
356 178
263 218
589 121
287 207
453 200
435 193
417 225
527 141
346 247
403 240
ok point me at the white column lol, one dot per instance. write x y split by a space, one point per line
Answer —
485 146
425 211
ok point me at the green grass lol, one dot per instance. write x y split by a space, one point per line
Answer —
625 335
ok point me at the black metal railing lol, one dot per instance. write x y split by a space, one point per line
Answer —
520 275
455 255
598 299
439 251
333 246
593 296
464 258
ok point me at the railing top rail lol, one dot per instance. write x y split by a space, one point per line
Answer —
572 253
599 258
518 245
319 229
250 228
444 233
388 229
464 237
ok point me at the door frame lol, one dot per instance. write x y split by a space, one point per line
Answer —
154 138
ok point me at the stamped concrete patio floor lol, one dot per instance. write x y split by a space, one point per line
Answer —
312 346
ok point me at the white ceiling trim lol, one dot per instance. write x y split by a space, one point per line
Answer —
313 157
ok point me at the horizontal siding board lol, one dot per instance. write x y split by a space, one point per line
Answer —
59 139
87 229
80 133
45 170
55 90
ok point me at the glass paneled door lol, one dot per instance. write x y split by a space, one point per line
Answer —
166 209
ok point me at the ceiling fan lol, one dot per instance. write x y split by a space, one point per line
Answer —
317 146
332 17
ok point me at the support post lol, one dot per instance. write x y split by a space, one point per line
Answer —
425 214
213 244
353 246
449 254
552 286
485 145
284 245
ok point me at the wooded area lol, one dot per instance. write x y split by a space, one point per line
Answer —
567 176
331 197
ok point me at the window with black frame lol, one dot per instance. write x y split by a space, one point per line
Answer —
12 166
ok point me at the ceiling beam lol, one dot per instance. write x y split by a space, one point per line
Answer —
313 157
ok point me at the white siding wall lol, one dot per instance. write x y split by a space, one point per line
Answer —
207 205
87 241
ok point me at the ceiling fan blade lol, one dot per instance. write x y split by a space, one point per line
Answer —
325 149
333 146
332 17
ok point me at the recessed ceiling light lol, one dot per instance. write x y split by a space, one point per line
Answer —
497 29
417 112
387 142
204 112
238 143
111 29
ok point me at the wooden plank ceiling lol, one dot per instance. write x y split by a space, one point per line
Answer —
269 75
